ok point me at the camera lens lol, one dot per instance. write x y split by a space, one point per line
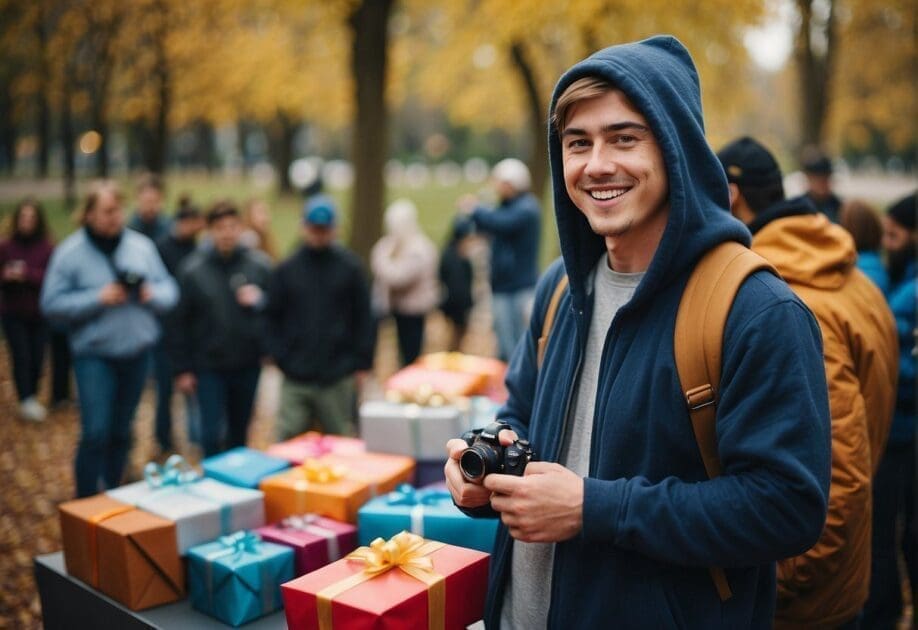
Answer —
477 461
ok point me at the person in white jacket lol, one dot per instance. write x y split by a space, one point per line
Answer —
404 264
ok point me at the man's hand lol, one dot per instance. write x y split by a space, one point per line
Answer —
465 494
544 505
467 204
248 295
113 294
186 382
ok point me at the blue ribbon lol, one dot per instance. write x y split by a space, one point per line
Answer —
405 494
175 472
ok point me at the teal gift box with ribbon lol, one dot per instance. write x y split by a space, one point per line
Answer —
242 466
202 509
237 578
428 512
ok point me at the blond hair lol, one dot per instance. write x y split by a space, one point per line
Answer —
96 189
580 90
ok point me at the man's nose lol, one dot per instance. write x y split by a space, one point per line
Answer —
601 162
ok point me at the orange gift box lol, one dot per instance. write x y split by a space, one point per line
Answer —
400 584
314 488
415 383
492 369
335 486
383 472
128 554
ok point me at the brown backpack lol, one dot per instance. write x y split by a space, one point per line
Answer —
698 341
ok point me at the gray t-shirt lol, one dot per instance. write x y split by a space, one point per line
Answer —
528 594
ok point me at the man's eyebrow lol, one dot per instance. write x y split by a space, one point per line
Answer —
619 126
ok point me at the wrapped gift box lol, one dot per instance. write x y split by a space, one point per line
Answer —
427 512
494 370
243 467
202 509
312 444
237 578
410 429
381 471
315 540
126 553
416 383
317 488
405 583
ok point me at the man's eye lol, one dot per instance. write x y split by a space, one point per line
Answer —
625 139
580 143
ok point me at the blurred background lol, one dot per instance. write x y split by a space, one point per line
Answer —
416 98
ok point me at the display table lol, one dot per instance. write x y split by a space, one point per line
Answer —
69 603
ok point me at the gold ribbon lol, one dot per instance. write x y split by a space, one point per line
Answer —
406 551
424 395
93 522
314 471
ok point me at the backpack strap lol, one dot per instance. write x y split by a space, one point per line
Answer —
550 319
698 341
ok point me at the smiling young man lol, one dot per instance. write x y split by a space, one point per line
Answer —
617 523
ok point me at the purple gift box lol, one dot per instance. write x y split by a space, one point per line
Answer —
316 540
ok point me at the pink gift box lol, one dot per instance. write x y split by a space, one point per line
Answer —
313 444
316 540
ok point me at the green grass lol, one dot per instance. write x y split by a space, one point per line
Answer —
436 208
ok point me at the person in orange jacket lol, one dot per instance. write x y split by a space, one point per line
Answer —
826 586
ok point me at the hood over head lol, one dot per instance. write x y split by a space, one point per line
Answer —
659 78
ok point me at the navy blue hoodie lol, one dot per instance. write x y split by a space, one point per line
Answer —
652 521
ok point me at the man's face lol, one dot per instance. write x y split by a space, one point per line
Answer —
896 238
149 202
225 231
318 237
106 218
613 168
819 186
504 190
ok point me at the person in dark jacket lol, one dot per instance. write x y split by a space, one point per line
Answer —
174 247
514 228
617 523
148 218
319 329
817 167
24 257
456 279
894 488
216 345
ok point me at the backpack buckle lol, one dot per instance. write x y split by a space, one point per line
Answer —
700 397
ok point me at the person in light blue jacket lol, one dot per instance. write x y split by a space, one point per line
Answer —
107 285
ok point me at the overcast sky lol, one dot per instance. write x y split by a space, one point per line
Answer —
771 44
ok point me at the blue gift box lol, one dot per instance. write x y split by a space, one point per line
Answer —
426 512
244 467
237 578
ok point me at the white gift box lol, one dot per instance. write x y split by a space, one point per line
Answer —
410 429
203 510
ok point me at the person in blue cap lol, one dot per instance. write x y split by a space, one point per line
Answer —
617 524
319 328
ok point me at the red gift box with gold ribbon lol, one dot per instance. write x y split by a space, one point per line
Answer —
402 583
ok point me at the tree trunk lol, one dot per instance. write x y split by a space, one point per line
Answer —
538 115
7 130
281 134
68 140
160 137
43 107
814 72
369 143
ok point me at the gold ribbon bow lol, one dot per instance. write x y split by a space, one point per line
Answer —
405 551
319 472
424 395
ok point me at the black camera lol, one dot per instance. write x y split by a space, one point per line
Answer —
131 282
485 455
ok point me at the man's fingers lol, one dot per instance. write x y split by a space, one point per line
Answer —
455 447
507 437
540 468
502 484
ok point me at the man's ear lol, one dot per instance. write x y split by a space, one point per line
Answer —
734 195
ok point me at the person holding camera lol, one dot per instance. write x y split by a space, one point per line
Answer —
217 342
616 521
107 286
